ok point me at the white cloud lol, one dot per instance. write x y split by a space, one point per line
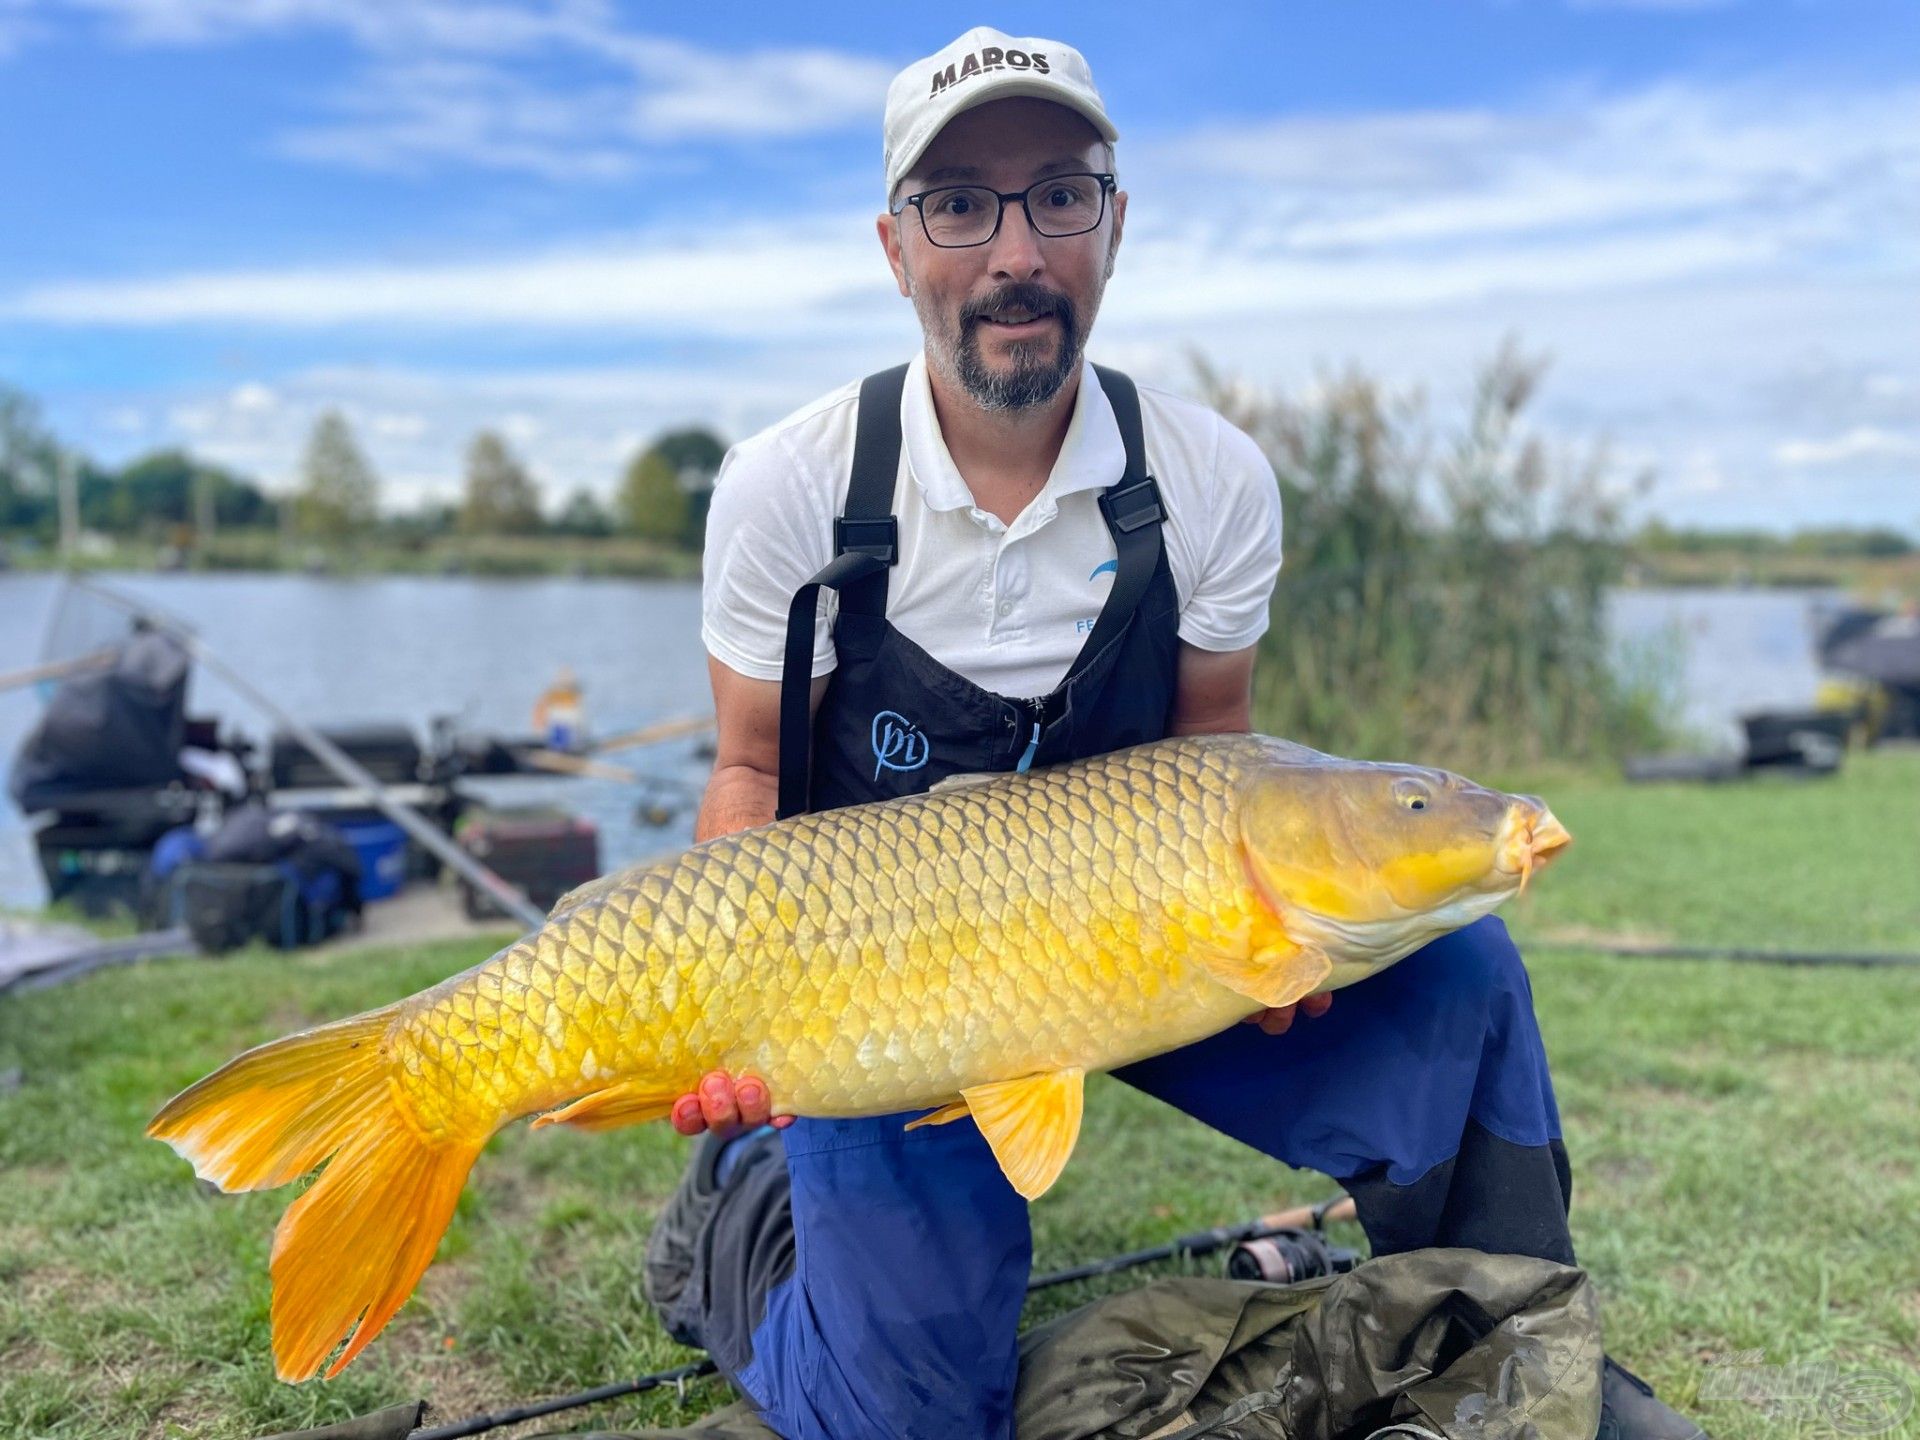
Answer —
1717 273
561 89
1828 172
1862 444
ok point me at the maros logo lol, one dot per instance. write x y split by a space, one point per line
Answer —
897 743
991 57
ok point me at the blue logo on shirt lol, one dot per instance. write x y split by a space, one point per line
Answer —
1111 566
897 743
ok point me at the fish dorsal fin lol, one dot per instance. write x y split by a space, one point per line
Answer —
1031 1123
966 780
1273 976
628 1103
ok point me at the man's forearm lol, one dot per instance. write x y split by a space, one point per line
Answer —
738 797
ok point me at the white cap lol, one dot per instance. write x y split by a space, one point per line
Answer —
983 65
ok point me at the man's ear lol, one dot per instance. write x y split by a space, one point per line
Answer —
1119 224
889 231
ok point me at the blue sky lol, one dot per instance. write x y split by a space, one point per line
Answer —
581 222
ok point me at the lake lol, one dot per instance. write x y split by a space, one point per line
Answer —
411 648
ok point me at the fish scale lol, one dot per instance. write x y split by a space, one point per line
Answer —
968 966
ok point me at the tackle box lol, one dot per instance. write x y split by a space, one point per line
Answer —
390 753
544 851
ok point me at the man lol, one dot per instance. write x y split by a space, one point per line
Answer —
1027 560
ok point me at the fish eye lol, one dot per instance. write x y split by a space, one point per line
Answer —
1412 794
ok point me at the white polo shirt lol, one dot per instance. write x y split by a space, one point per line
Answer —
1006 606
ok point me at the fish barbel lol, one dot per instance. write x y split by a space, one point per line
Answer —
977 949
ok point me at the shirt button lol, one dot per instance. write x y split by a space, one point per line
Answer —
1006 607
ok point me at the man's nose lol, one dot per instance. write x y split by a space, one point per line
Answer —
1015 252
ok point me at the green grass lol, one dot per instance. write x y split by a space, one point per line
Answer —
1747 1164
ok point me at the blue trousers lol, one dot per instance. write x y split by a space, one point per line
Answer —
910 1252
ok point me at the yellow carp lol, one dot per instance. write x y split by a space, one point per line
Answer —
977 949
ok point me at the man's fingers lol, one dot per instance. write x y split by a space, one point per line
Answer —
717 1102
687 1118
755 1104
1317 1004
1278 1020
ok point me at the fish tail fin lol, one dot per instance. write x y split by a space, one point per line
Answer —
349 1251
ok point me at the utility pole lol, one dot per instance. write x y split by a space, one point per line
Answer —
67 479
202 506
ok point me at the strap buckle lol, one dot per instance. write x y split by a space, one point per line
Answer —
879 538
1130 506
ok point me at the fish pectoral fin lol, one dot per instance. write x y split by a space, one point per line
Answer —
1274 976
1031 1123
946 1114
631 1102
965 780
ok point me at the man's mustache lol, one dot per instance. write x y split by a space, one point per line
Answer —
1034 299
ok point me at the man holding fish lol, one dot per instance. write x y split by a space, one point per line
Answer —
983 527
994 827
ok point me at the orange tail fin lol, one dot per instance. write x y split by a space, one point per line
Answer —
349 1251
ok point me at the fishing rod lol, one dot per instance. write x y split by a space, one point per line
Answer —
509 897
399 1422
1638 950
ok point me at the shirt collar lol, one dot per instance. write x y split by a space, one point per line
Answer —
1092 455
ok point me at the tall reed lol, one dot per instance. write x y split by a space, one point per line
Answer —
1443 596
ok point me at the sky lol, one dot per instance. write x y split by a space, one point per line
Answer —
580 222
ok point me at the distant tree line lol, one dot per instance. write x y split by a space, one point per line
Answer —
1830 542
662 494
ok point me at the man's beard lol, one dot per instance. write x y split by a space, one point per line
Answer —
1030 378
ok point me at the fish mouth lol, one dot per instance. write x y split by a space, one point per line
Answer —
1534 837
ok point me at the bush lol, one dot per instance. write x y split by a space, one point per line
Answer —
1443 598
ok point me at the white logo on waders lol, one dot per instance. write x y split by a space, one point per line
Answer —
897 743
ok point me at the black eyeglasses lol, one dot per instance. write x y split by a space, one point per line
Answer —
956 216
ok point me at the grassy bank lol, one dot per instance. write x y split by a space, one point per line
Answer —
1745 1153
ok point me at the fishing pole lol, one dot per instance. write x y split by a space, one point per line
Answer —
397 1422
1639 950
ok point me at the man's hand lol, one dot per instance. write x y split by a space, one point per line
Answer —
1277 1020
726 1108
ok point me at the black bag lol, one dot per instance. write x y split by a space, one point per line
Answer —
276 876
115 729
225 906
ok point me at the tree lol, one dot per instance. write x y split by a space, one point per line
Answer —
652 503
583 515
695 455
668 485
501 497
29 457
339 491
169 487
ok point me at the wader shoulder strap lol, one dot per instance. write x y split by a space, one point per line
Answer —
865 544
1133 513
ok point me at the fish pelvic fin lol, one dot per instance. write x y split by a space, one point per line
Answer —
631 1102
349 1251
1031 1124
1274 976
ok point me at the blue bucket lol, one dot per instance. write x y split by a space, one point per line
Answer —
382 847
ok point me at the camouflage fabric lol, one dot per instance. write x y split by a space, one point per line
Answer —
1455 1344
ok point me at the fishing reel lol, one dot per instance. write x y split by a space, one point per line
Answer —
1289 1255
